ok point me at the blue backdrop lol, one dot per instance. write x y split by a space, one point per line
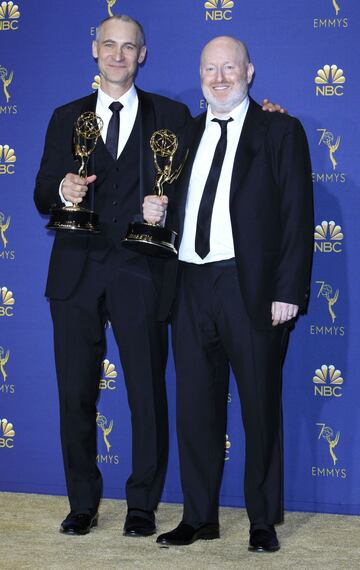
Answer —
306 56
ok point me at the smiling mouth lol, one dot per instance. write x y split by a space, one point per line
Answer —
115 66
220 87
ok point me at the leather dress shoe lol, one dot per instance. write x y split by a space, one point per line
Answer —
79 524
263 540
187 534
136 525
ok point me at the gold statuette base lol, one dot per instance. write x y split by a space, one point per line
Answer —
150 240
73 218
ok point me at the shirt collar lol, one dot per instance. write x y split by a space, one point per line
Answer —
237 114
128 100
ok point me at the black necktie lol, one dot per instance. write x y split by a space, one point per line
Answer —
202 238
112 136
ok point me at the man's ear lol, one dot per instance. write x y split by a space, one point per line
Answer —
142 54
250 72
94 49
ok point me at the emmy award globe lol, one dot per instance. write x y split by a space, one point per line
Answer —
87 130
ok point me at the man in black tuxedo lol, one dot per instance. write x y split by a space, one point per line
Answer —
92 279
244 217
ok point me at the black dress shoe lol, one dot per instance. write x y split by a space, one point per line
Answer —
187 534
79 524
263 540
136 525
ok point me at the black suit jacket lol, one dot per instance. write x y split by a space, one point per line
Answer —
70 248
271 212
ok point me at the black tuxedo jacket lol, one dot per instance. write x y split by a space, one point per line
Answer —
271 212
70 249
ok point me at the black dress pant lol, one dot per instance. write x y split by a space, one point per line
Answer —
123 291
211 330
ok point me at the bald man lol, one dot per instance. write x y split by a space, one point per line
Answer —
244 218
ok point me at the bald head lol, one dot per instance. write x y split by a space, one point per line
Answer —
226 73
227 42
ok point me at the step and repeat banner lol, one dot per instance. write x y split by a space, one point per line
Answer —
306 57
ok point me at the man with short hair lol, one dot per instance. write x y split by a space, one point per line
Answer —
92 278
243 212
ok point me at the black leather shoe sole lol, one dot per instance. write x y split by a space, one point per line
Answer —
263 548
136 532
78 529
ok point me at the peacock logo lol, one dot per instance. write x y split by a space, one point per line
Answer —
218 10
9 16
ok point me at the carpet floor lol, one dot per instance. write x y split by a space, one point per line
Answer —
30 540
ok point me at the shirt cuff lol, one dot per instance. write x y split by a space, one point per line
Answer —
66 202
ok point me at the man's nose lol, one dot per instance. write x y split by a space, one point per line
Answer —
119 54
219 75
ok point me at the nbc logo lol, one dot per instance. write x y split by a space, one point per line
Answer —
329 81
328 381
109 375
7 159
9 16
96 82
7 433
217 10
328 237
7 302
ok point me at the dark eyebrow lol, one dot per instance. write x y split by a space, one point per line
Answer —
114 42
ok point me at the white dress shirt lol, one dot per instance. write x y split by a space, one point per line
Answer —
221 238
128 114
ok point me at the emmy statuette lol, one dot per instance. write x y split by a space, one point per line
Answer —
75 218
153 239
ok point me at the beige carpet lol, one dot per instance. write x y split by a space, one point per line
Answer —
29 539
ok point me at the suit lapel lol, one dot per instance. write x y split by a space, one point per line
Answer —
250 138
147 127
196 132
89 103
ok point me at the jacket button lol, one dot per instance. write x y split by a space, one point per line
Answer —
115 186
114 220
114 203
